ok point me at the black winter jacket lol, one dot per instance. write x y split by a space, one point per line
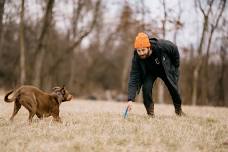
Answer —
168 55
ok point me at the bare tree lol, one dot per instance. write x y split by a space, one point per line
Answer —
2 3
22 46
79 35
165 17
223 52
161 88
125 26
75 35
143 14
199 61
40 50
213 26
221 79
177 22
75 20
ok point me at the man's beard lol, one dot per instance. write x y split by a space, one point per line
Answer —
145 55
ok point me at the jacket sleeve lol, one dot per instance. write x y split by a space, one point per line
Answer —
172 52
175 59
134 82
175 56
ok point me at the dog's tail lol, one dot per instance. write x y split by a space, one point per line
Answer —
6 99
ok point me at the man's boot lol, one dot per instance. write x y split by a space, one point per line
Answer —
150 110
179 111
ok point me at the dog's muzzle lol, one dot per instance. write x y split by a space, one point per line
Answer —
69 97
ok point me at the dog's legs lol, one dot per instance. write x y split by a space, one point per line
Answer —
31 114
58 119
39 116
17 107
30 105
56 115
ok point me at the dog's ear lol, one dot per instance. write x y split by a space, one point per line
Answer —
56 88
63 90
63 87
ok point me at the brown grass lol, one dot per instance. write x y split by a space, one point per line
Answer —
99 126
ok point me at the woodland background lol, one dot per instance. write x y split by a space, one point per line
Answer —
87 45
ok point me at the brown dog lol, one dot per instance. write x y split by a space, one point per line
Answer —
38 102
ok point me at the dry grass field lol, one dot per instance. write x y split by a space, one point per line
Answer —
99 126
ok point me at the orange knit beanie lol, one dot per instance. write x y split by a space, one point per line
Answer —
142 41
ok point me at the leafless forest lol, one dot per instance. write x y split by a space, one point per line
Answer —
79 44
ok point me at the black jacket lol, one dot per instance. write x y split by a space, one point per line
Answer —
168 55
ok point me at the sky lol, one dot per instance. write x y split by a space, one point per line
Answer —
189 35
192 18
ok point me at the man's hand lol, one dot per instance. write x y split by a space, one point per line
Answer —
129 105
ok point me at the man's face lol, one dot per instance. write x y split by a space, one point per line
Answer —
143 52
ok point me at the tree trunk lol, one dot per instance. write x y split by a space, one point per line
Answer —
72 71
195 83
125 71
76 15
161 88
205 91
40 51
160 91
22 46
143 15
178 23
80 35
197 70
38 67
198 63
2 3
213 28
221 79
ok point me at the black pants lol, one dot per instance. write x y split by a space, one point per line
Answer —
147 90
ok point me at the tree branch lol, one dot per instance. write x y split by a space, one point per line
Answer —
46 24
86 32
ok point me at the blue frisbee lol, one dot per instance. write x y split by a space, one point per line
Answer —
125 113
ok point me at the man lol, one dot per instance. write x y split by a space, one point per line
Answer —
154 58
